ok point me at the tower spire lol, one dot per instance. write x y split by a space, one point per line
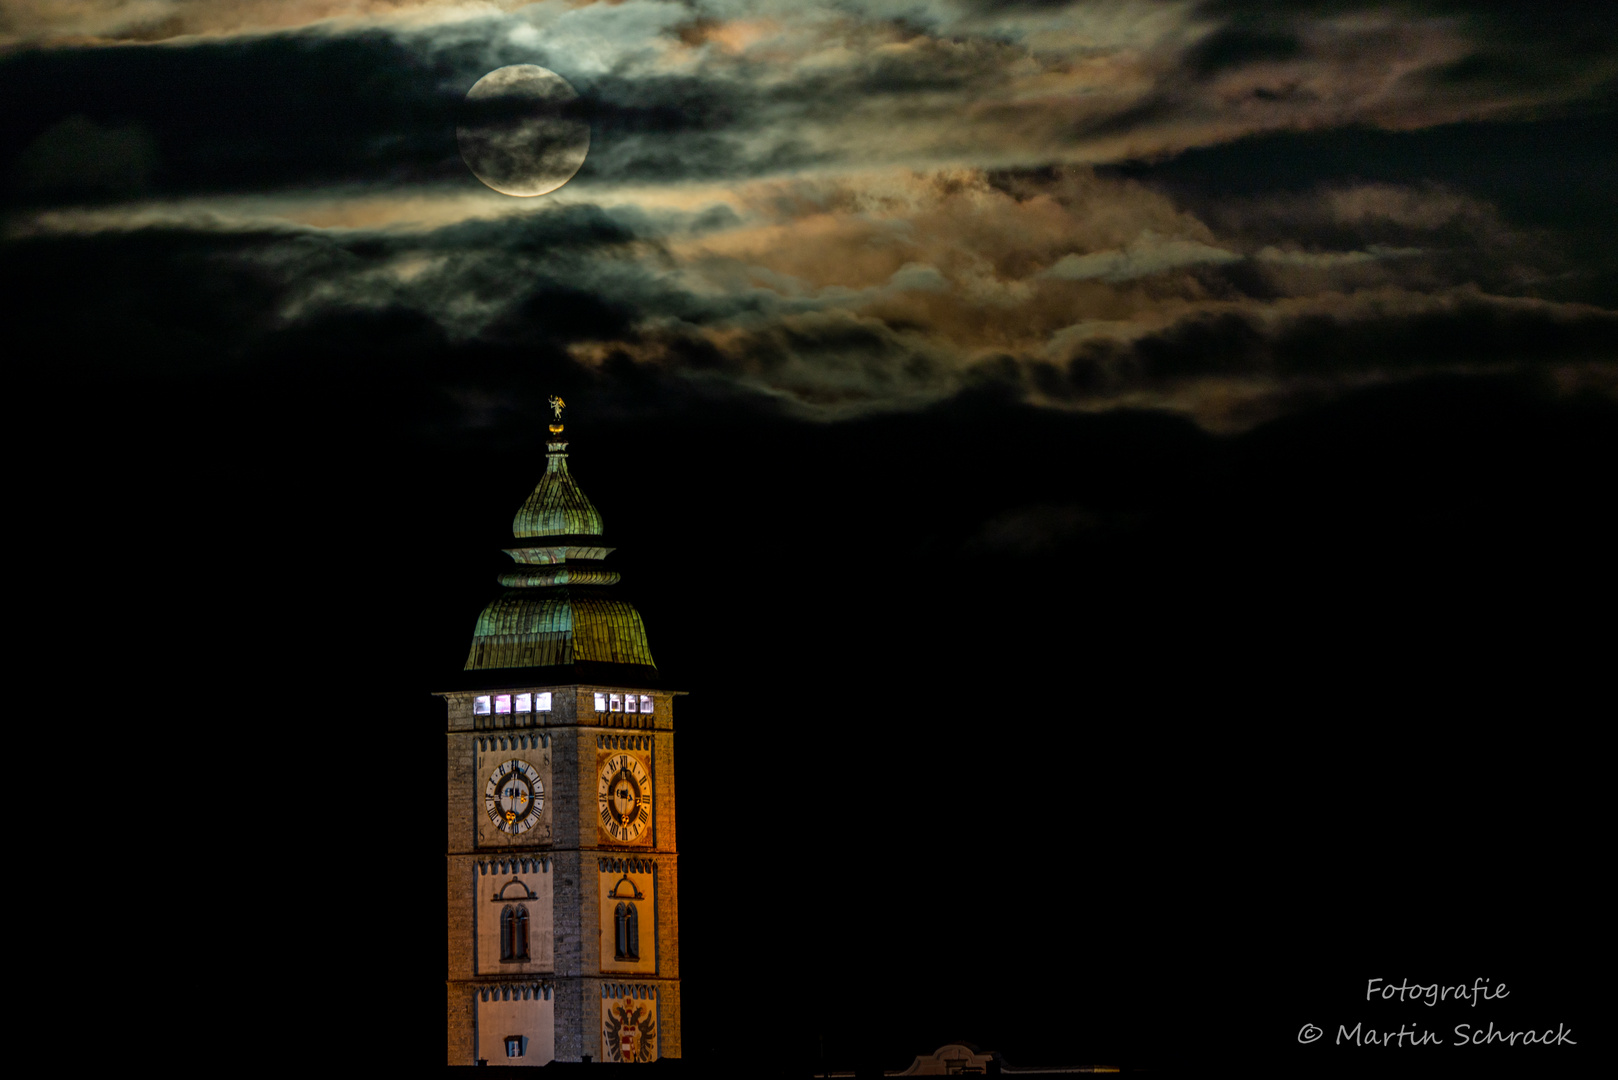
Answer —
563 869
556 611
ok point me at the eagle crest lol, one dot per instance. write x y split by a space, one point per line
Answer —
630 1032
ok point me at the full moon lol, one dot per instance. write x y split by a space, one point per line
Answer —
520 136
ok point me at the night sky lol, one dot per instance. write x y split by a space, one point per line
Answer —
1127 486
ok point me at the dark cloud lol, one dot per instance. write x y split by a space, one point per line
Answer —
1237 46
1321 64
1330 347
1332 256
255 115
135 305
1469 334
1514 46
578 292
79 156
670 105
552 229
374 109
123 302
302 110
740 118
1505 19
1544 176
1539 164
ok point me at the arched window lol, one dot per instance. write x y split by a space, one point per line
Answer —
514 933
626 923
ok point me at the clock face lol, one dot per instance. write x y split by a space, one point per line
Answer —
514 797
624 798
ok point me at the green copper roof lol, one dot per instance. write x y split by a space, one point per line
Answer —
548 554
557 507
533 577
541 627
556 609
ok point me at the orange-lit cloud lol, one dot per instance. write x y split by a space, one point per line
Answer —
855 206
53 23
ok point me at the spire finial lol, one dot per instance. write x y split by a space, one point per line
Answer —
557 405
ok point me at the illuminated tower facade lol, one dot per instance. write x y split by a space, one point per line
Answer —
562 873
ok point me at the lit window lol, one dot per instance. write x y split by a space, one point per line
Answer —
480 705
645 704
525 702
617 702
502 703
542 702
513 1046
601 703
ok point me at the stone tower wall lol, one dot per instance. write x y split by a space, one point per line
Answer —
572 849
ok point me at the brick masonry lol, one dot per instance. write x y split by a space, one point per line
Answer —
462 1024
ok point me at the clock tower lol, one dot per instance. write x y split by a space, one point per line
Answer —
563 883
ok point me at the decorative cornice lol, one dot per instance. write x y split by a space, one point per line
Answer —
641 991
517 864
623 742
516 991
496 743
627 866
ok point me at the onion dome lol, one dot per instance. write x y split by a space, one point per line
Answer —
557 507
557 610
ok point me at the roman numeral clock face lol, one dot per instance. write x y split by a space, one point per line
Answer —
514 797
624 798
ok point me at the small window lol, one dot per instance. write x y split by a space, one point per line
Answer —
542 702
480 706
502 703
525 702
601 703
513 1046
645 704
617 702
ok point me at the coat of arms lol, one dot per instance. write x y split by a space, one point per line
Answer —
629 1030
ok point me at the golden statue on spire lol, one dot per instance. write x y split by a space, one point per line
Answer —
557 405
